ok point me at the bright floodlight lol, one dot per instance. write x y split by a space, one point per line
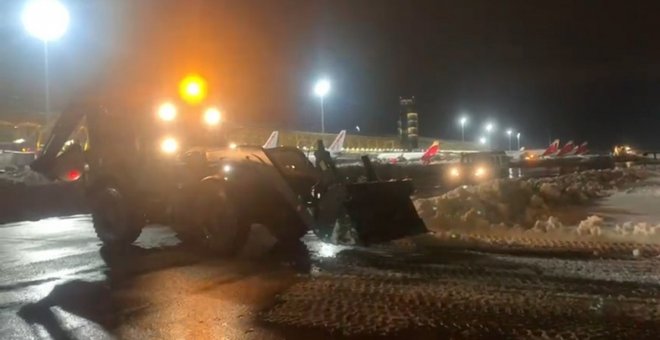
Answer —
489 127
47 20
322 87
509 132
212 116
482 140
518 135
463 120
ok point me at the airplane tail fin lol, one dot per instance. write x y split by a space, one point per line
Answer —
552 149
582 149
430 152
567 149
338 144
272 140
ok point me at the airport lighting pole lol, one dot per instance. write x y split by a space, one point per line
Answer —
463 121
321 89
508 133
47 20
518 138
482 140
489 127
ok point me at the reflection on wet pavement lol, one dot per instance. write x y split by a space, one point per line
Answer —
58 282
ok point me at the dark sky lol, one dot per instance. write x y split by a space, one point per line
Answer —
583 70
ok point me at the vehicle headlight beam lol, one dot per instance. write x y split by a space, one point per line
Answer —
167 112
169 145
212 116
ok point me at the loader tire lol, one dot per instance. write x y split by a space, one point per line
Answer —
223 230
115 223
284 223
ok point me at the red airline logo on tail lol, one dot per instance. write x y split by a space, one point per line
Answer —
582 149
567 149
430 152
552 149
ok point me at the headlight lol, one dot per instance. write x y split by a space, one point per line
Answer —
212 116
480 172
167 112
169 145
454 172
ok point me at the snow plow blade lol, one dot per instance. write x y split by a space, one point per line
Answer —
375 211
383 211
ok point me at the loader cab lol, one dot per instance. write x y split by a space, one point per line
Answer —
296 169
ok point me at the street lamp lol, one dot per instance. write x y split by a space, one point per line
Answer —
47 20
508 133
482 140
463 120
490 127
518 138
321 89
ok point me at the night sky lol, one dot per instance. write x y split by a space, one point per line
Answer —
582 70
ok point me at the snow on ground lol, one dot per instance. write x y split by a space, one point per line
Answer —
637 204
617 205
23 175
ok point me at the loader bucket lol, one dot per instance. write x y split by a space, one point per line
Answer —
382 211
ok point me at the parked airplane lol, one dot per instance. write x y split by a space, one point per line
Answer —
335 149
553 151
420 156
272 140
523 153
582 149
572 150
337 145
568 149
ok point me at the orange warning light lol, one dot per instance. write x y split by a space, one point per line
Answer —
192 89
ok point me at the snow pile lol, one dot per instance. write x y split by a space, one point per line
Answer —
594 226
551 225
529 203
591 226
637 229
23 175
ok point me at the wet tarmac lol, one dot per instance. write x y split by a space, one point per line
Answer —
57 282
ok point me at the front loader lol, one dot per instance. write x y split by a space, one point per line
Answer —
137 169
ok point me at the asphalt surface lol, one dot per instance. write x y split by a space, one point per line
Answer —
57 282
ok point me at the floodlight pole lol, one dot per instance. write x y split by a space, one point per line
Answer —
46 78
322 115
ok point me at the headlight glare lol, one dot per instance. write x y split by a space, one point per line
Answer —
212 116
169 145
167 112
